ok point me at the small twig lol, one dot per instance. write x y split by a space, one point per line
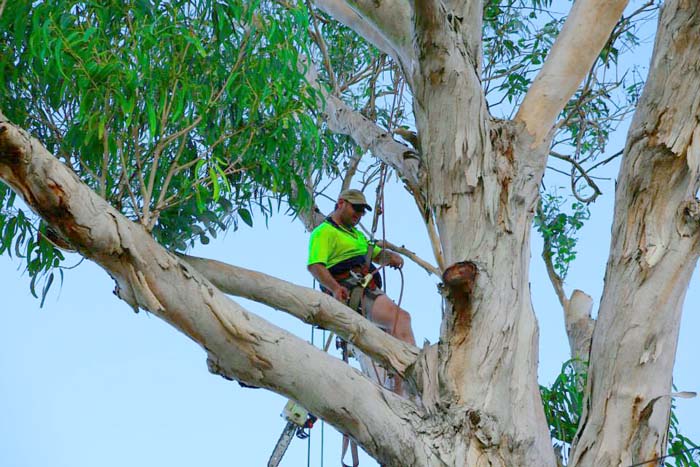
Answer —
583 173
353 163
608 160
557 281
134 203
434 238
410 255
318 39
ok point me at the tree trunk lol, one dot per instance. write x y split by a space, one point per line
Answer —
653 253
482 188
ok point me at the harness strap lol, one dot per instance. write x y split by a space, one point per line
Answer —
355 299
353 451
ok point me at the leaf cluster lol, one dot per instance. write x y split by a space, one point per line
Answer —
517 36
563 401
683 451
563 405
19 236
559 229
184 114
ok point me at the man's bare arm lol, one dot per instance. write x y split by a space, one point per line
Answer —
389 258
324 276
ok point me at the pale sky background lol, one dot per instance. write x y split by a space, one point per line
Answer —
85 382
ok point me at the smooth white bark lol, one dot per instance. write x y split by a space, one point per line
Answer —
584 34
311 307
239 344
386 24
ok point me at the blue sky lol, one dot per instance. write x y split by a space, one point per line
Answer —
85 381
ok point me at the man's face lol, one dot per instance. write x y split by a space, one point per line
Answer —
351 213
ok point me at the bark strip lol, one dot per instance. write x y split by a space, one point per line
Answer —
239 344
311 307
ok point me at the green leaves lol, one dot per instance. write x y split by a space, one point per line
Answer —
683 451
559 229
563 405
185 115
22 238
563 401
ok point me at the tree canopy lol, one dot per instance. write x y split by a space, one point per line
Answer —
189 117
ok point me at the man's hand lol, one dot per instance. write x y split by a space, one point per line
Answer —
341 294
395 261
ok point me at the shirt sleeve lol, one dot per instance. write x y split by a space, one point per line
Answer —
320 247
376 251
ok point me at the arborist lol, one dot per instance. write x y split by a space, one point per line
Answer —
340 257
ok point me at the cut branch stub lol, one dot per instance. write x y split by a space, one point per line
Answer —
460 278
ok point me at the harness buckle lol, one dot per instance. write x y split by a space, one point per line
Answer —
366 280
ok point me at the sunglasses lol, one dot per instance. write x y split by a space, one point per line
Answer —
359 208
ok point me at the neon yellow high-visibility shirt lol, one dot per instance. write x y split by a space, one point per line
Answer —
329 245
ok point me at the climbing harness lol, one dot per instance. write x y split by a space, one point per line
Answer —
357 301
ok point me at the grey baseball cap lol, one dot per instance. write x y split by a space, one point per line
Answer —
354 197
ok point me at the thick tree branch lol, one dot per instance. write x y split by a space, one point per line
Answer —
311 307
368 135
585 32
239 344
386 24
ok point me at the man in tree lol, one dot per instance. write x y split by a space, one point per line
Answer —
339 259
161 152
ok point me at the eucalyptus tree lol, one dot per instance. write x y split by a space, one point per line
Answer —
133 129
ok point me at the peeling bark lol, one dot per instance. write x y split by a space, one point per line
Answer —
239 344
482 184
653 253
